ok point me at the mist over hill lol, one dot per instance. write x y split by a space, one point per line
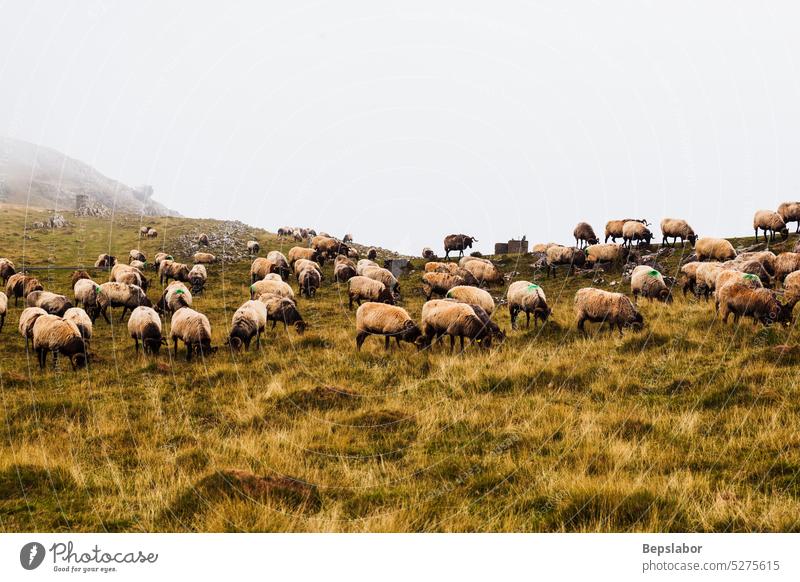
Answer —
44 177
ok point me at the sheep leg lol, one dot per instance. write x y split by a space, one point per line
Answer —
581 322
462 343
105 315
528 319
386 343
136 343
397 338
360 337
42 355
189 350
124 310
452 343
2 321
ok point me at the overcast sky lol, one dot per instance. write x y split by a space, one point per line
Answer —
403 121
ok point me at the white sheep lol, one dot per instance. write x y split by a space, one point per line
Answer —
597 305
81 319
27 318
53 334
527 297
389 321
194 330
281 288
473 296
144 325
3 309
648 282
113 294
248 322
175 296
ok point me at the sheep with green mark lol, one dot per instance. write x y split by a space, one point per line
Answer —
528 298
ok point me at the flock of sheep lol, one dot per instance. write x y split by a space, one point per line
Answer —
457 305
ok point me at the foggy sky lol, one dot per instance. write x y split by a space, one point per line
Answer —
403 121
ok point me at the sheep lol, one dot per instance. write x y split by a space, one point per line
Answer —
272 277
285 231
689 277
168 269
51 302
348 238
790 212
558 255
786 263
85 294
253 248
81 319
197 278
457 242
130 275
731 277
372 253
760 304
174 297
329 246
467 258
202 239
284 310
309 280
706 278
611 253
161 257
27 318
597 305
139 265
6 270
302 264
144 325
53 334
384 276
427 253
436 267
204 258
105 261
389 321
439 283
473 296
136 255
119 295
277 287
442 317
542 247
20 285
152 233
3 309
362 288
527 297
648 282
485 272
584 235
716 249
296 253
636 231
791 288
676 228
194 330
770 222
344 269
143 229
364 264
756 269
766 258
614 228
279 264
248 321
259 268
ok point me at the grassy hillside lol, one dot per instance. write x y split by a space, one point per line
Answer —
686 425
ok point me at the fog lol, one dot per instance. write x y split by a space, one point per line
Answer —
403 121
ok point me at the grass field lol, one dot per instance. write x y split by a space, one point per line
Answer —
688 425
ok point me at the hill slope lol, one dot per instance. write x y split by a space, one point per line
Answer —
43 177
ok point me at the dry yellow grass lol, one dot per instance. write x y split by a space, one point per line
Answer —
687 425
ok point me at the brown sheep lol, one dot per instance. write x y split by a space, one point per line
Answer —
442 317
248 322
329 246
457 242
204 258
296 253
258 288
570 256
119 295
473 296
439 283
384 276
584 235
281 264
436 267
791 288
614 228
730 277
676 228
161 257
715 249
611 253
689 277
485 272
6 270
766 258
635 231
171 270
365 289
344 271
597 305
198 276
202 239
309 280
53 334
770 222
105 261
52 303
389 321
526 297
27 318
283 310
20 285
790 212
786 263
760 304
136 255
372 253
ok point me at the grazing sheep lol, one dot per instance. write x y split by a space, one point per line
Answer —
6 270
766 258
143 230
427 253
791 288
611 253
706 278
272 277
260 268
51 302
715 249
362 288
439 284
280 264
364 264
81 319
309 280
442 317
27 318
597 305
253 247
302 264
161 257
584 235
284 310
168 269
648 282
194 330
614 228
248 322
384 276
558 255
689 277
20 285
265 286
136 255
484 271
760 304
202 239
85 294
77 276
152 233
389 321
527 297
436 267
457 242
473 296
174 297
105 261
285 231
790 212
372 253
770 222
139 265
786 263
119 295
53 334
144 325
204 258
3 309
756 269
297 253
676 228
128 274
635 231
197 278
731 277
327 246
353 253
344 270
